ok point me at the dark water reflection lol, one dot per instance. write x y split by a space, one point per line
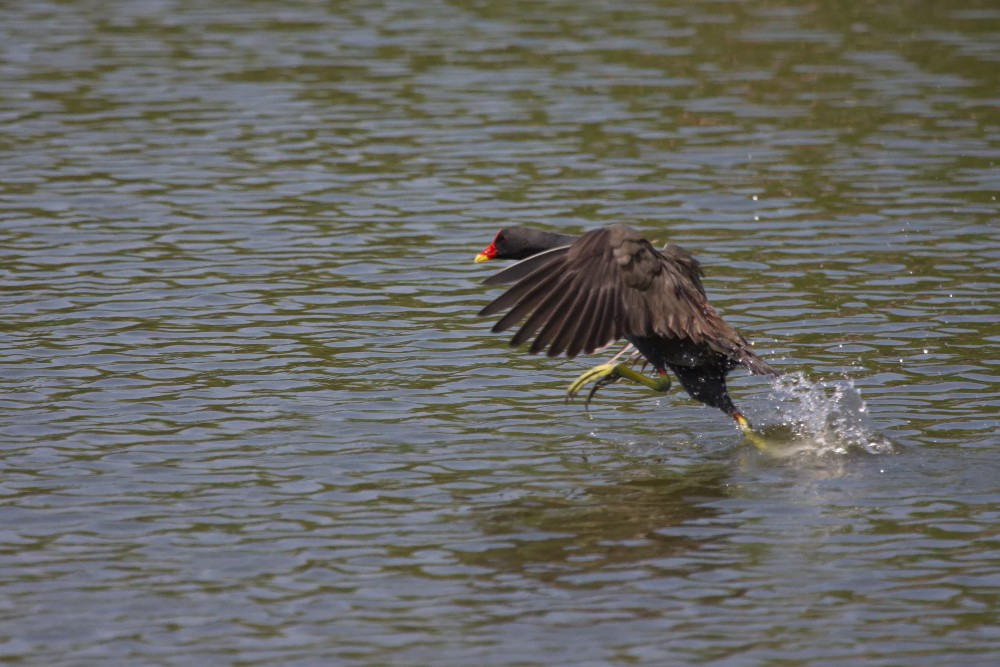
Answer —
250 415
601 533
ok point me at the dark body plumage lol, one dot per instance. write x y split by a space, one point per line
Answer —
611 283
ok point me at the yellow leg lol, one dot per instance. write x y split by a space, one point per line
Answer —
610 372
754 438
605 374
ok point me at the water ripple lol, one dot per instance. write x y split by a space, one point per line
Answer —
250 414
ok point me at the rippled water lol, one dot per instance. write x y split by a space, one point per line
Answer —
250 416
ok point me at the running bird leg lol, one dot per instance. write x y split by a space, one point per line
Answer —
605 374
744 425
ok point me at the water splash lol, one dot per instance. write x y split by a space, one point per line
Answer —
822 417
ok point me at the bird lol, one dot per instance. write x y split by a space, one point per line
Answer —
578 294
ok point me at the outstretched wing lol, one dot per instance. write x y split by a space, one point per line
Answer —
566 295
610 284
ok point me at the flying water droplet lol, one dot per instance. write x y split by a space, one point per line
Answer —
824 417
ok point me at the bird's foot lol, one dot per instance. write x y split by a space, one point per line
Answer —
608 373
601 375
752 436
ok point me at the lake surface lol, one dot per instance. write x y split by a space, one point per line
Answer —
250 416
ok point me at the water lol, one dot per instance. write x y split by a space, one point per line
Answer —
250 416
819 418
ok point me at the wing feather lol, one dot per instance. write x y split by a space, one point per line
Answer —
526 267
533 295
542 313
569 324
560 316
577 336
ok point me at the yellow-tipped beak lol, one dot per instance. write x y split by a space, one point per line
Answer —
481 258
